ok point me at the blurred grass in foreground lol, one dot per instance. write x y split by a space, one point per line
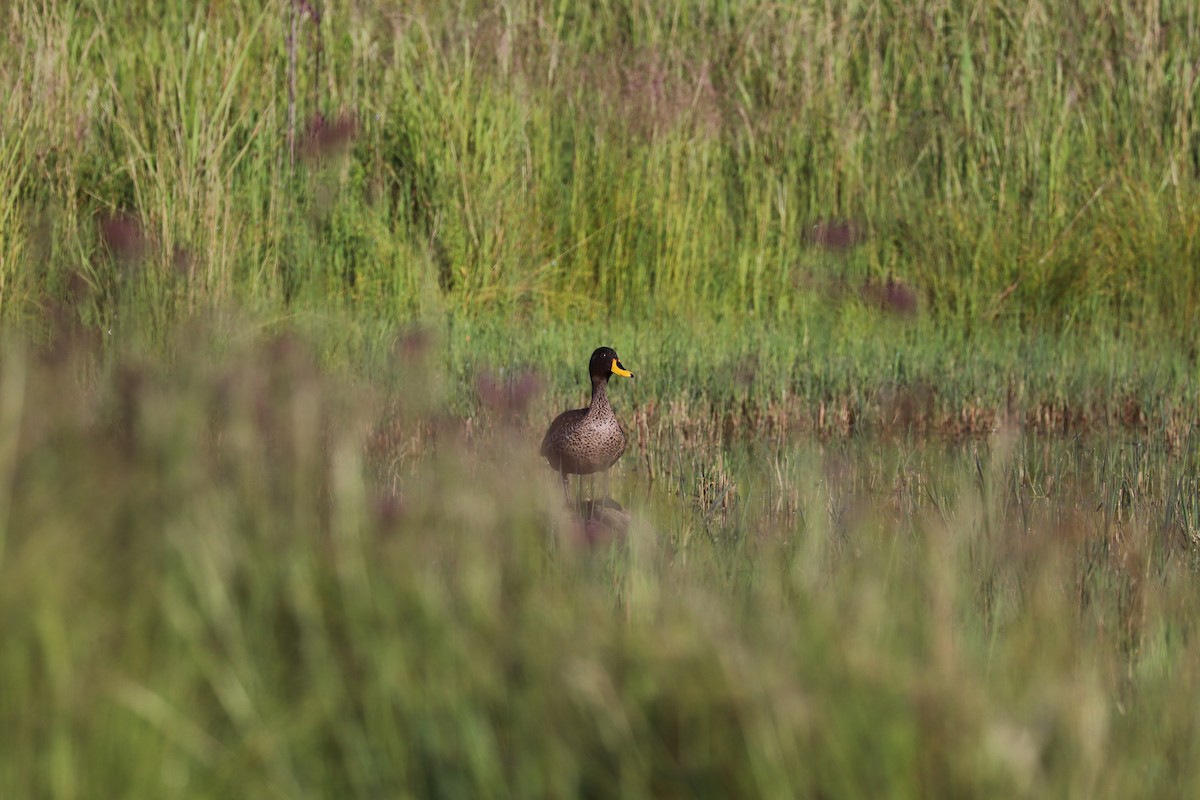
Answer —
239 572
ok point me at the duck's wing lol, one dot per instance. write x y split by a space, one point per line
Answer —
562 423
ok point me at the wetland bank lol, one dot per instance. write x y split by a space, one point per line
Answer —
291 292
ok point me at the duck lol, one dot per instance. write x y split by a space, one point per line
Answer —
584 441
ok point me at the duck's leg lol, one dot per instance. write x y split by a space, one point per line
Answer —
566 487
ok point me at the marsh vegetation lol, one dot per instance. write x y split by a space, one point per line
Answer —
291 292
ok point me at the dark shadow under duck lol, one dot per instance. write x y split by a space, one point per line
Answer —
584 441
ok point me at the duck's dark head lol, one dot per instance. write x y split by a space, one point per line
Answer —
605 364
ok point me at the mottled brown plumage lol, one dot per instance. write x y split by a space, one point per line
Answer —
588 440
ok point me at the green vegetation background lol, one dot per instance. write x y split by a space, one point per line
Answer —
264 265
1022 166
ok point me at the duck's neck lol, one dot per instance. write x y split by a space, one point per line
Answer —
599 396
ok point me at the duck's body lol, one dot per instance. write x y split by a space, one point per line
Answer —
584 441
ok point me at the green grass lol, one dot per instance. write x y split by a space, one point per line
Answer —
271 519
239 573
1009 164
